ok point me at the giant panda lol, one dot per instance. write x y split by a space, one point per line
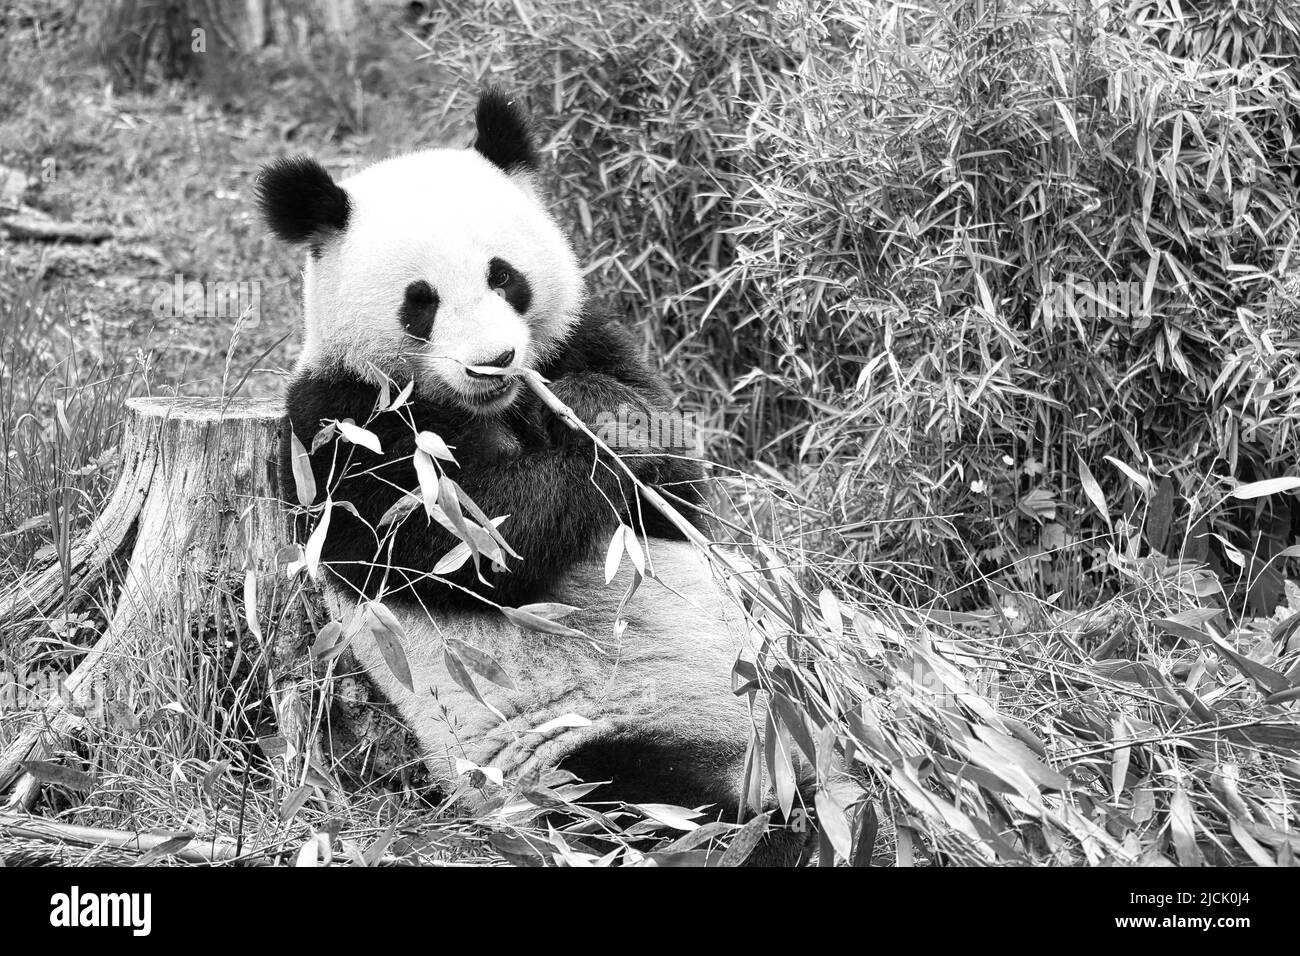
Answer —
429 269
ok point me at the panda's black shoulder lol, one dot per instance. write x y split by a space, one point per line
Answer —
600 342
600 329
597 339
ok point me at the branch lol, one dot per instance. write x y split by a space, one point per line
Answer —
205 850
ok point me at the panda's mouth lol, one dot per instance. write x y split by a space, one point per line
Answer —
490 395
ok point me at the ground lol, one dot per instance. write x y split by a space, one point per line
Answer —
171 173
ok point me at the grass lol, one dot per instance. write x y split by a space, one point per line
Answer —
996 646
60 412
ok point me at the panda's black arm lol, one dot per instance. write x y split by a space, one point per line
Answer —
560 507
562 502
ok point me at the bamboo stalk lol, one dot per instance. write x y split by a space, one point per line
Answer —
740 574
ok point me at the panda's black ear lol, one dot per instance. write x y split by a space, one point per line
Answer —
504 138
299 200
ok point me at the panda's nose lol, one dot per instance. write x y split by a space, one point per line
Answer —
501 361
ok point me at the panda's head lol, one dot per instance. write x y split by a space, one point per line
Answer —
430 264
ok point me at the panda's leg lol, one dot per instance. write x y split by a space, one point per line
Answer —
685 736
661 724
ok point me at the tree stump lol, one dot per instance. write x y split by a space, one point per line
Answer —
196 507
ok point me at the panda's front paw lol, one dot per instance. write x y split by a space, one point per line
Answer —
495 441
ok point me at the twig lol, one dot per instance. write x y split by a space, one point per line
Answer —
200 850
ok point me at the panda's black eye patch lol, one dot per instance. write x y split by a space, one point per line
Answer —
510 283
419 309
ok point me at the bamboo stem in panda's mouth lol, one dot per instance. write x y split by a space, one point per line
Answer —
742 576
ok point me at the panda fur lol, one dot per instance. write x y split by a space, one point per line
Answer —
422 268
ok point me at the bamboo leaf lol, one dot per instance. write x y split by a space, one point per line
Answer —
550 611
1182 829
433 445
426 472
1092 489
562 722
323 434
779 765
834 824
1068 118
679 818
1266 679
460 674
327 643
1140 480
292 803
453 560
388 634
1020 756
864 843
317 540
633 547
533 622
398 510
214 773
1270 486
250 604
831 614
744 842
481 662
359 436
173 844
614 553
794 720
304 479
402 397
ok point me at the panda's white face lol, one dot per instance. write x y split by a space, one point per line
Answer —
431 264
446 263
